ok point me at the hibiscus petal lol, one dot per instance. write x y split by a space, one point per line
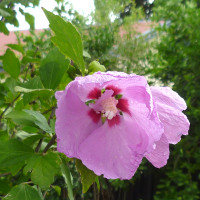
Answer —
73 123
166 96
159 156
174 121
116 151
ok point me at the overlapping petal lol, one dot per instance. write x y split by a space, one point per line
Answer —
169 106
73 124
116 153
141 123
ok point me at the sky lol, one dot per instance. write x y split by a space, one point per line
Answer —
84 7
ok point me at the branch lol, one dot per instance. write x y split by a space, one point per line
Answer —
5 174
51 142
41 140
9 106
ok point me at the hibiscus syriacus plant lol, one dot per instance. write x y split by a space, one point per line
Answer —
112 120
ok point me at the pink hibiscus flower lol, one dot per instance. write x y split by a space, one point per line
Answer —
112 120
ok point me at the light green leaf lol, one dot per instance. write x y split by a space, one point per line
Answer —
10 83
11 64
52 69
67 176
23 192
21 117
30 20
86 54
13 152
3 28
25 90
39 120
67 39
29 118
43 168
16 47
88 177
3 12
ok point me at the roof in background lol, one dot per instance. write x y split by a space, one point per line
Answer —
143 27
12 39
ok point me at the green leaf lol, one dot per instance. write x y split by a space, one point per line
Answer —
39 120
67 176
52 69
29 118
43 168
88 177
3 28
30 20
95 66
21 117
11 64
86 54
10 83
67 39
23 192
4 13
16 47
38 91
13 152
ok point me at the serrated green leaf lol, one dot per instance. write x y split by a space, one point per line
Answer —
52 69
88 177
34 83
23 192
11 64
13 152
43 168
67 39
3 28
30 19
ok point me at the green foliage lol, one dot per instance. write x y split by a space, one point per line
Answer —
11 64
174 60
43 168
88 177
3 28
67 39
30 20
13 152
24 192
52 69
68 179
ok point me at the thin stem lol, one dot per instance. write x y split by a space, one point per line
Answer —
41 140
9 106
5 174
39 145
51 142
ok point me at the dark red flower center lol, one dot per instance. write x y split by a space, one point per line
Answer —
107 104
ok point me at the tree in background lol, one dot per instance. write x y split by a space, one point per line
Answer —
175 59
